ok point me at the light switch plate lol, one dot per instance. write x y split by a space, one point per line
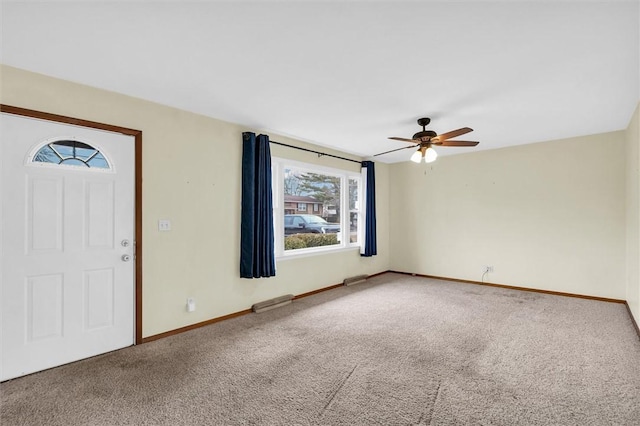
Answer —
191 304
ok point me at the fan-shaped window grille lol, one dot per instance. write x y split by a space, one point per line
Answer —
71 153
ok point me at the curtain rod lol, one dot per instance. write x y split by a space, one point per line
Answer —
320 154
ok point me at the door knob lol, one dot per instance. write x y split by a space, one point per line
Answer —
125 258
125 243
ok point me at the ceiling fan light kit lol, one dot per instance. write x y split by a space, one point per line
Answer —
430 155
424 140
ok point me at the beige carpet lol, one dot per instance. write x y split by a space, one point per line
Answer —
396 350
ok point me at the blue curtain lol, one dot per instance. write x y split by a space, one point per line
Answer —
257 256
370 245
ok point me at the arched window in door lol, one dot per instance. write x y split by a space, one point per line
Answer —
71 153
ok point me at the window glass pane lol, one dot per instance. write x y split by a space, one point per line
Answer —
73 162
64 150
305 230
354 205
99 162
73 144
46 155
71 153
84 153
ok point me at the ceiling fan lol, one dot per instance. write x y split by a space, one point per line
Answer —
425 140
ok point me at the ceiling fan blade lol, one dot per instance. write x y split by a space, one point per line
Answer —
451 134
394 150
405 140
457 143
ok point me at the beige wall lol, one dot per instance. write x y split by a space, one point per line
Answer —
547 216
191 175
633 214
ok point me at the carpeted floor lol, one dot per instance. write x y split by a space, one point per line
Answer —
396 350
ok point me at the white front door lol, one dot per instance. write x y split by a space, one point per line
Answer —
67 243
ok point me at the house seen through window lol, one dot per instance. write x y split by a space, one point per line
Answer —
315 208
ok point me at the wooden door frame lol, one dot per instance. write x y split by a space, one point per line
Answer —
137 134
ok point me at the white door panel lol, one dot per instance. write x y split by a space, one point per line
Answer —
67 294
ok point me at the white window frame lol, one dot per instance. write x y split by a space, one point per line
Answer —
278 167
359 210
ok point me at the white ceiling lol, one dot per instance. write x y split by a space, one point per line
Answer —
350 74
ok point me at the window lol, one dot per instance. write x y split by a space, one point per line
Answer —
71 153
354 209
333 222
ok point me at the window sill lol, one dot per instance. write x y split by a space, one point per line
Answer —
316 252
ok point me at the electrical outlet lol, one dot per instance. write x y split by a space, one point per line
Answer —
487 268
191 304
164 225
